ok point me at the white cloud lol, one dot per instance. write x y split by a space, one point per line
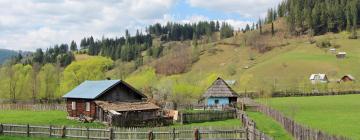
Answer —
31 24
246 8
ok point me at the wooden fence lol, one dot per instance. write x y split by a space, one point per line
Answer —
250 127
214 115
298 131
36 107
297 93
165 133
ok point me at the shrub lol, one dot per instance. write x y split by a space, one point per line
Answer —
323 44
176 62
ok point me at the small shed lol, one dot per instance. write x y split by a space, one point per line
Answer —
346 78
219 94
230 82
318 78
341 55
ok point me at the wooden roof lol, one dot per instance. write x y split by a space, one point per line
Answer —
126 106
220 89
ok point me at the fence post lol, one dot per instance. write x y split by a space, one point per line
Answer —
28 130
174 134
246 133
150 135
181 118
111 133
254 132
63 132
1 129
87 133
50 129
197 134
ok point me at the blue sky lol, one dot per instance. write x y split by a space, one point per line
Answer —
31 24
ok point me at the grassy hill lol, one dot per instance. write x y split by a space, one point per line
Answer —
6 54
287 65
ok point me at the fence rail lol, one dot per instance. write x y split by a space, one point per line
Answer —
298 93
35 107
298 131
123 133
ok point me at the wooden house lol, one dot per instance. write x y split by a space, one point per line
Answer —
113 102
318 78
346 78
220 94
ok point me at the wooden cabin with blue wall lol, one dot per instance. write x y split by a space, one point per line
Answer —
220 94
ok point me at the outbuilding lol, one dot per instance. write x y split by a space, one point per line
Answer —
346 78
318 78
220 94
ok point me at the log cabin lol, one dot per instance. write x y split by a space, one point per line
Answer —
113 102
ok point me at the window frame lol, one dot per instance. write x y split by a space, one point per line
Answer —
87 106
73 105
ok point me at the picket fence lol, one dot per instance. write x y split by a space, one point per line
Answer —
298 131
250 126
34 107
165 133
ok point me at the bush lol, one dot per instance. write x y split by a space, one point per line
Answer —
323 44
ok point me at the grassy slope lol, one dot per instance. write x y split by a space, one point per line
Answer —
40 118
333 114
269 126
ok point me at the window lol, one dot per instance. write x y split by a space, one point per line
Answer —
216 101
87 106
73 105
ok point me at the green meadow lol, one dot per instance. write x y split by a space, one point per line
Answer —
337 115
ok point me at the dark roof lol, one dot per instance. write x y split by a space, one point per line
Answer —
93 89
126 106
220 89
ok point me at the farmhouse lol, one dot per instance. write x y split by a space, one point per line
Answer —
346 78
318 78
112 102
341 55
220 94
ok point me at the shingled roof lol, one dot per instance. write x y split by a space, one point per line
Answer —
220 89
126 106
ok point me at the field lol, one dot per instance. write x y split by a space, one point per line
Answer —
269 126
333 114
57 118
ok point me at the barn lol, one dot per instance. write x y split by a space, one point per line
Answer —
220 94
113 102
346 78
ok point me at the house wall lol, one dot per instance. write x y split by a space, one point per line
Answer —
80 108
120 93
222 101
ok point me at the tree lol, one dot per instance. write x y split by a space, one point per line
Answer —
272 29
73 46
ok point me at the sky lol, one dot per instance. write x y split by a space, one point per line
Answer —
31 24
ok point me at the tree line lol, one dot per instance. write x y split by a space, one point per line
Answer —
315 17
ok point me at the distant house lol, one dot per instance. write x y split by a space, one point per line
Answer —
346 78
219 94
318 78
113 102
332 50
341 55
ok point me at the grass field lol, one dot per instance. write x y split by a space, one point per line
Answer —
269 126
338 115
28 138
40 118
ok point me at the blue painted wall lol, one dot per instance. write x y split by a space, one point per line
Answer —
222 101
